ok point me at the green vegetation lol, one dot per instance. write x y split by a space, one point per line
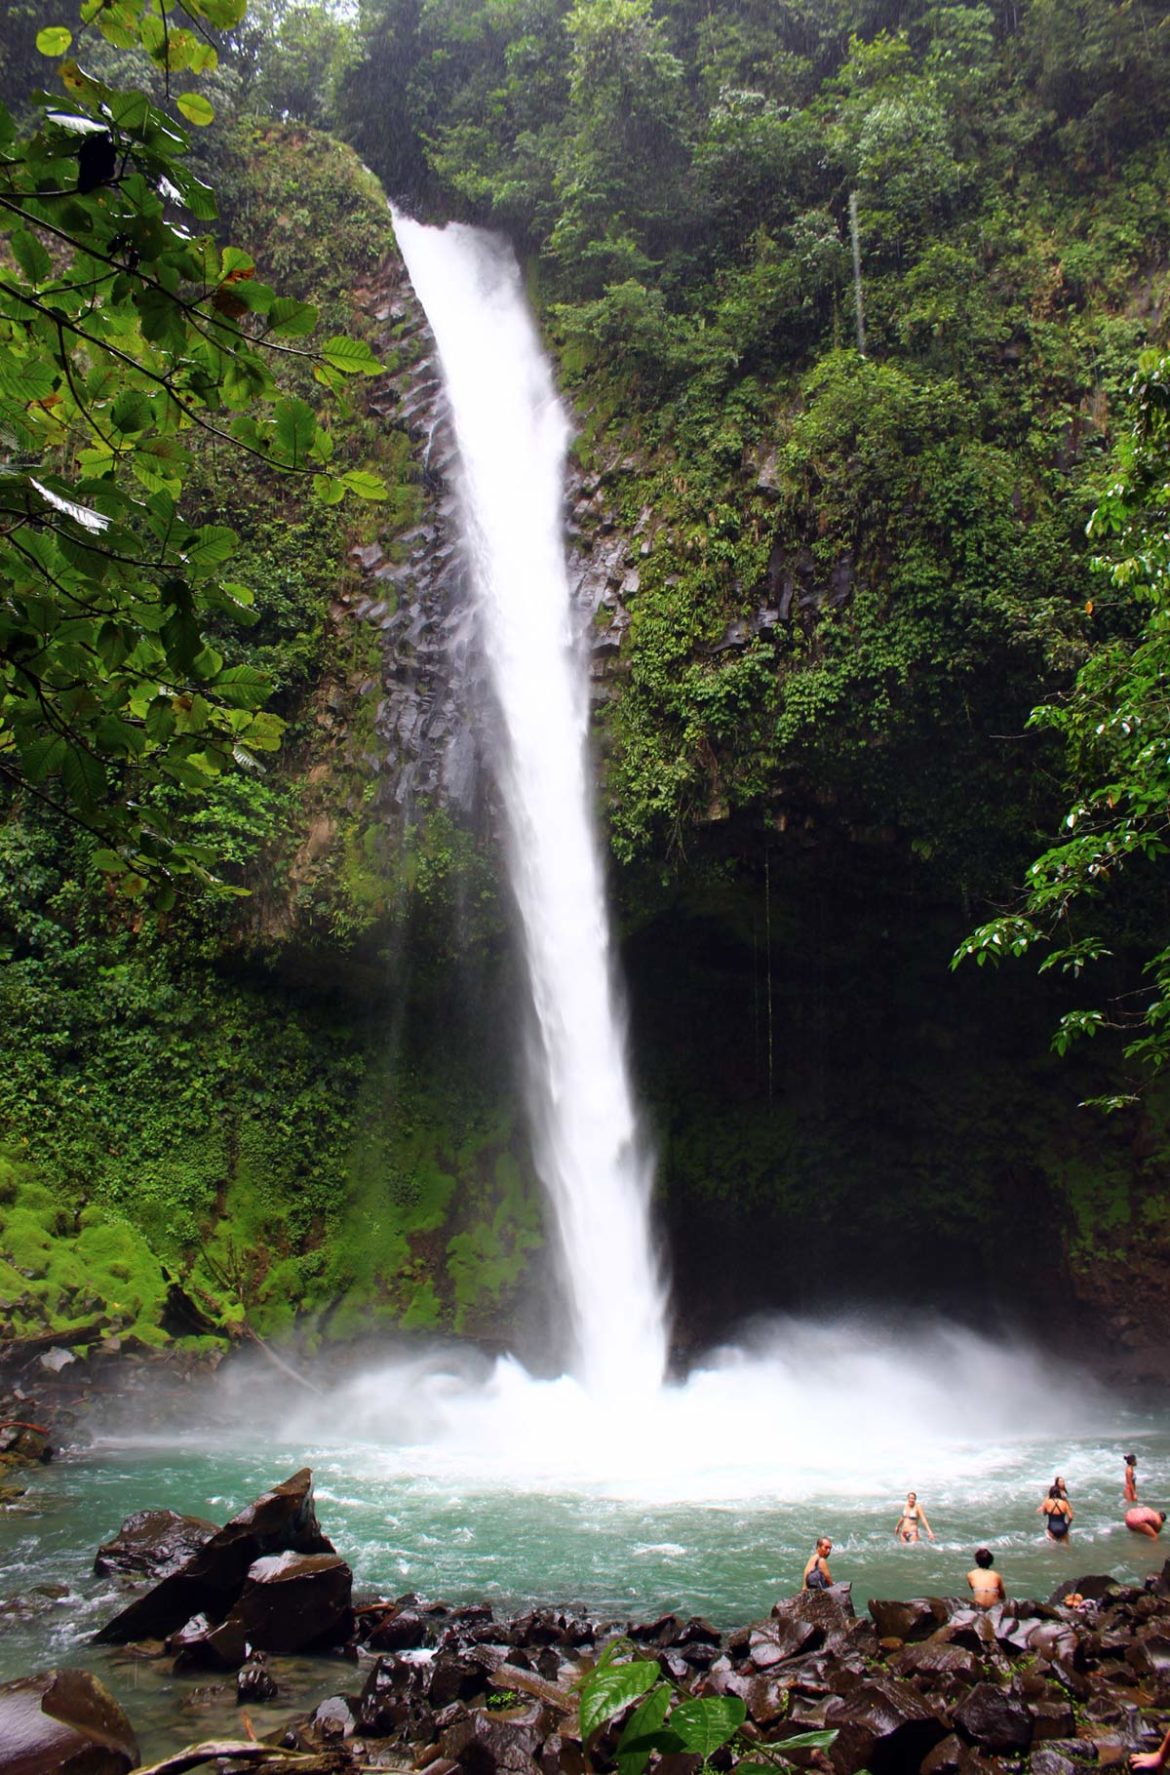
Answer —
1115 724
667 1723
849 576
123 335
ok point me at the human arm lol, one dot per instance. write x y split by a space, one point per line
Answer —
925 1524
1152 1759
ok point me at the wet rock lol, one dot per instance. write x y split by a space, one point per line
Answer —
63 1722
562 1756
951 1757
449 1678
932 1660
913 1620
994 1719
1052 1719
333 1720
484 1745
293 1602
801 1623
1068 1756
384 1705
883 1726
281 1520
152 1544
255 1681
21 1442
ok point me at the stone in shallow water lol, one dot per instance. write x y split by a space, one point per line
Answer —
62 1721
280 1520
152 1544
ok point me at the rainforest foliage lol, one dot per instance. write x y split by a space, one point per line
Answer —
857 562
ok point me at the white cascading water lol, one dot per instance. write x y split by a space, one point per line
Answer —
512 435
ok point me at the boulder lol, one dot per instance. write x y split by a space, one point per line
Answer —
1066 1756
279 1521
63 1722
152 1544
994 1720
932 1660
485 1745
293 1602
398 1630
883 1726
913 1620
802 1623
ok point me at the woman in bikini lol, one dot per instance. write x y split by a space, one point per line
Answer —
1131 1496
913 1518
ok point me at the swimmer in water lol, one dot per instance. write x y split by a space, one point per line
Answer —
985 1583
1058 1513
913 1518
1131 1496
1144 1521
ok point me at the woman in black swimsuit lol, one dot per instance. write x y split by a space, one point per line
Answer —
1057 1512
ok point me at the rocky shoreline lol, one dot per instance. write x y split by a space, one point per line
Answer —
927 1687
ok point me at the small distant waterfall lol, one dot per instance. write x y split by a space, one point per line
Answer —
512 435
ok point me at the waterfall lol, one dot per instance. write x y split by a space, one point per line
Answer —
511 434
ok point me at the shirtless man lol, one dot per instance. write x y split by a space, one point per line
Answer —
817 1575
986 1584
1144 1521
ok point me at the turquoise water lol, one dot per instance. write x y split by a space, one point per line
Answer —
462 1518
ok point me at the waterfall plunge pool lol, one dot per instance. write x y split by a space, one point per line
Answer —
441 1473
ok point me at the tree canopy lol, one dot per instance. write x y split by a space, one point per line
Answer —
129 338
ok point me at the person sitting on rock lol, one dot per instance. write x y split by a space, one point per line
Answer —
1144 1521
912 1518
984 1581
1058 1513
1131 1496
817 1575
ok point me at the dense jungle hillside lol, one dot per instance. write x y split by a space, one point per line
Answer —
846 298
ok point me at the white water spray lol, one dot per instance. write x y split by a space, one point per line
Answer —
512 434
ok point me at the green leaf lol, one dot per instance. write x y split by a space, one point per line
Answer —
241 687
30 255
290 317
328 489
109 862
296 427
607 1691
364 484
705 1724
352 356
643 1723
195 108
213 545
83 775
54 40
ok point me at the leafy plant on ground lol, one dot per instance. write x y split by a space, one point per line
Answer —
668 1722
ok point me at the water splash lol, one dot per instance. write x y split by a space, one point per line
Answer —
512 435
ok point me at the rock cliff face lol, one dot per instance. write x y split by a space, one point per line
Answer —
434 716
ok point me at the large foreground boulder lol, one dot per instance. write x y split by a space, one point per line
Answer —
291 1602
63 1722
282 1520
